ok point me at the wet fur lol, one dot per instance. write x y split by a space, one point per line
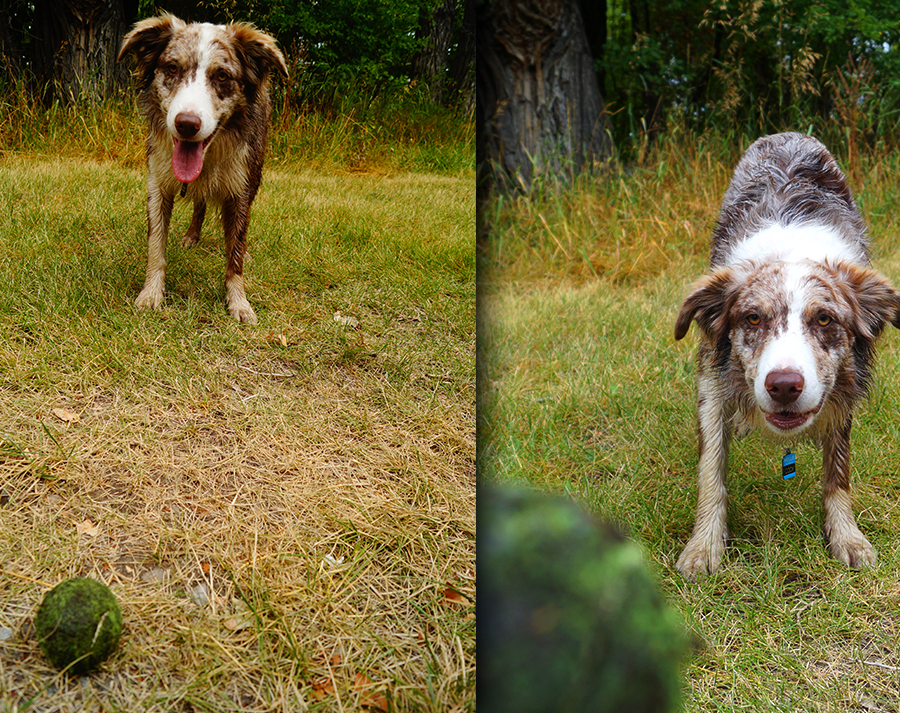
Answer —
787 184
167 52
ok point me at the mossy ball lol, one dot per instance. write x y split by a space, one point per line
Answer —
570 619
78 625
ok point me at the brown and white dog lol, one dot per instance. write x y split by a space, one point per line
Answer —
204 92
789 318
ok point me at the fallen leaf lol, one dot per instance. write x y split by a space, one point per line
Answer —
87 528
67 416
237 623
241 619
451 596
373 699
200 594
323 688
361 681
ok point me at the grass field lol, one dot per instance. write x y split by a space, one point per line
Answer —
583 390
286 512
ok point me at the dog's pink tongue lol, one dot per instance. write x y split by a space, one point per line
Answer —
187 160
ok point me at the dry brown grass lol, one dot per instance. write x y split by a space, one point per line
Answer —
285 512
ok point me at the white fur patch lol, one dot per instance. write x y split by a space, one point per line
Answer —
792 350
194 96
796 242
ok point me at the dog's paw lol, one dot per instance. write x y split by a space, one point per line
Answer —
236 300
853 549
190 239
242 311
150 298
701 556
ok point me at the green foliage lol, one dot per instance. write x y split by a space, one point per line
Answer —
373 38
340 40
751 67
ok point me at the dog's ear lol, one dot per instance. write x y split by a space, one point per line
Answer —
875 302
147 40
708 303
259 53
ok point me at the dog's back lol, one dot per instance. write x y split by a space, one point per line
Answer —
790 181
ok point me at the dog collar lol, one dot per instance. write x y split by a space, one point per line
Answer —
788 464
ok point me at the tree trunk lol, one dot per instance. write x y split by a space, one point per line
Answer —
594 16
462 79
430 64
76 46
15 27
540 109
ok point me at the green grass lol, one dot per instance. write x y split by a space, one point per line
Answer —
584 390
313 476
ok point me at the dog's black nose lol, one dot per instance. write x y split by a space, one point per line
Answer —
784 386
187 124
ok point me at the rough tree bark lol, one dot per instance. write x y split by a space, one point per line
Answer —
538 104
462 85
76 46
430 64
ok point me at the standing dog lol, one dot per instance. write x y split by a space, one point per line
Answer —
789 318
204 92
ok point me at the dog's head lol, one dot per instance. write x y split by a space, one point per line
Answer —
795 332
195 77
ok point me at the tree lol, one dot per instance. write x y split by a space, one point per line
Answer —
748 67
75 47
435 33
371 38
462 60
539 108
14 19
446 56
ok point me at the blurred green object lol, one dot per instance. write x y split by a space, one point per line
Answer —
78 624
569 618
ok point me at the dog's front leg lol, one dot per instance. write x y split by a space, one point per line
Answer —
845 540
159 211
192 236
236 220
704 550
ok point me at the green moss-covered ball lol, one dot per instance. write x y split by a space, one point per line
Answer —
78 624
569 618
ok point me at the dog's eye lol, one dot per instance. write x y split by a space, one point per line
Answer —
823 320
754 320
172 70
222 76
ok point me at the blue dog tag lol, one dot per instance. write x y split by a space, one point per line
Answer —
788 465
